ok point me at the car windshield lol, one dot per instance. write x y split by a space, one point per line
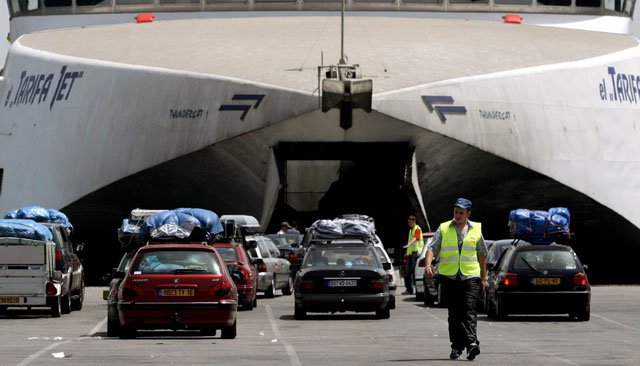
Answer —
228 254
341 257
176 261
539 260
284 241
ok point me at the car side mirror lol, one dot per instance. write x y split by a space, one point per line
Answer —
79 248
386 266
391 251
585 266
119 275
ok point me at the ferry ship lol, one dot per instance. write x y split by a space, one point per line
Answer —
286 110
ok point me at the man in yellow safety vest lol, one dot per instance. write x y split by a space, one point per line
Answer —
414 246
462 274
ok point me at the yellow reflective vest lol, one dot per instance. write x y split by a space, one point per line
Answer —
465 260
417 245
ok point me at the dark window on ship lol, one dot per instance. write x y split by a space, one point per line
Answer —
555 2
1 171
56 3
588 3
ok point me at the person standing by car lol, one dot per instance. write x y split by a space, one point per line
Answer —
414 246
462 271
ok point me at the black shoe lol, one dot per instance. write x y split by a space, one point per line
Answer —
407 293
472 351
455 354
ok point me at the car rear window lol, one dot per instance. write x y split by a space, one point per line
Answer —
338 257
545 260
228 254
176 261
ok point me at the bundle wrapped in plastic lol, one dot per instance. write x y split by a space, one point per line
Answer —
540 227
356 227
40 214
25 229
327 228
180 224
208 219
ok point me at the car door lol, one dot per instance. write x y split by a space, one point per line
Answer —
281 265
72 260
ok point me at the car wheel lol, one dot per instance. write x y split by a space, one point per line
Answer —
299 313
56 306
383 313
229 332
113 327
442 302
583 315
428 299
66 303
255 301
127 332
247 305
271 290
392 302
288 289
419 296
501 310
491 309
76 304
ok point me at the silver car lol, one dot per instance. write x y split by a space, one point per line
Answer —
273 270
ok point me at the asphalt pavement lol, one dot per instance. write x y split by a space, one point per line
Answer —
268 335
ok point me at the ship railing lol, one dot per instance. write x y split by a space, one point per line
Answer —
582 7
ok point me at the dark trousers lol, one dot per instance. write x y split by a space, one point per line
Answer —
461 297
409 272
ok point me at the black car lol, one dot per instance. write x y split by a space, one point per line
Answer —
342 275
289 246
111 295
538 279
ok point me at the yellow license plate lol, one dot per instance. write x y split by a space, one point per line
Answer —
177 292
9 300
546 281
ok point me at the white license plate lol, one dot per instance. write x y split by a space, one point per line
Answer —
343 283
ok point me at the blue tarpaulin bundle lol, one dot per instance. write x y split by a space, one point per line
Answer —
25 229
540 227
180 223
40 214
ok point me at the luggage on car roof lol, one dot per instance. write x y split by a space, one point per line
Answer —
540 227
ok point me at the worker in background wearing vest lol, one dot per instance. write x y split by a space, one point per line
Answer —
462 272
414 246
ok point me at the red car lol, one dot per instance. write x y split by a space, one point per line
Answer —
242 271
177 286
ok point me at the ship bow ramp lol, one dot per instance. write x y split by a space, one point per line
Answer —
224 113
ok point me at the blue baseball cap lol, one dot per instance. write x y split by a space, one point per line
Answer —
463 203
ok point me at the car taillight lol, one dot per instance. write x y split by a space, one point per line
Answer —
580 280
421 262
293 257
51 289
225 289
262 266
510 279
379 284
306 284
